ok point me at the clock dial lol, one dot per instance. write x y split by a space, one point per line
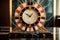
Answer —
29 16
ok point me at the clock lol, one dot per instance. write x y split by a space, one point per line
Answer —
30 17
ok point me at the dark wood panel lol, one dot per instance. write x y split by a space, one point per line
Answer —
4 13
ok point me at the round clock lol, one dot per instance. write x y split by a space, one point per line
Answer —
30 17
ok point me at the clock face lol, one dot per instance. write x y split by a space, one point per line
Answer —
30 16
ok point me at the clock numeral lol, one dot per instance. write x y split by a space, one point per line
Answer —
38 14
43 17
29 3
32 24
39 19
34 28
36 9
36 23
25 28
16 17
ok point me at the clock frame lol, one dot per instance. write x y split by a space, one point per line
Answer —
36 26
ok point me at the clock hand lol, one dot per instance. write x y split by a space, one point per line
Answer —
28 15
31 14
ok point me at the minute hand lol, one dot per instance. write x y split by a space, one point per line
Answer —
30 15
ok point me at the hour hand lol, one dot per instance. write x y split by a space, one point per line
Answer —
28 15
